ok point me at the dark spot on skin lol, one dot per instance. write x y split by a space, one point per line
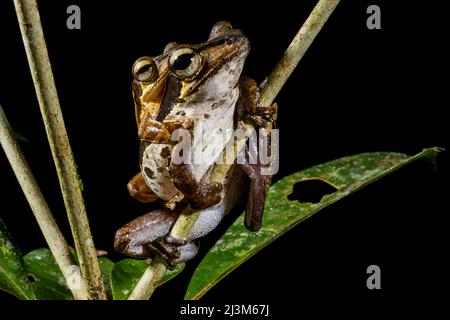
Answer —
217 104
149 173
206 116
173 89
165 152
160 170
31 278
181 113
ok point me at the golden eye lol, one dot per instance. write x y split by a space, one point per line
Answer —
185 63
145 70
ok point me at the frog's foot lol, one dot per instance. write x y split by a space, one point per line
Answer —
175 240
168 252
262 117
187 252
207 196
172 254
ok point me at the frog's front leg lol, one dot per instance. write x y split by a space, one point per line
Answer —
251 112
200 194
249 109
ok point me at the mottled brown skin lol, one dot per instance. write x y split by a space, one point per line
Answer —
145 249
153 102
139 190
260 117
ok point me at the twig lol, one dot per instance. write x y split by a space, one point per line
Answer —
277 78
38 60
294 53
49 228
148 282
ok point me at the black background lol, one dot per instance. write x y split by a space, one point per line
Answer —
356 90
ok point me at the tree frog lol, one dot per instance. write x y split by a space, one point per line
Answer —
197 88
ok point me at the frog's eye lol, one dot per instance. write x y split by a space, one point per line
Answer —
145 70
185 63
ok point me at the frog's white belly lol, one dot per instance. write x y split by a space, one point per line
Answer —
155 170
212 130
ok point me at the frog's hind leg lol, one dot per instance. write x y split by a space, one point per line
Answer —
187 252
264 117
139 190
137 237
145 237
259 185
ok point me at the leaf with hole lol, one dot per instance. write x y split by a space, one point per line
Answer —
13 277
126 273
282 212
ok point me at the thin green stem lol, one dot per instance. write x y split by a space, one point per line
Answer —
38 60
296 50
41 211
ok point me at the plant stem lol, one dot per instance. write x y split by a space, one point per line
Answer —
148 282
38 60
49 228
277 78
296 50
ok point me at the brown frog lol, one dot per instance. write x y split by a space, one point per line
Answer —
198 89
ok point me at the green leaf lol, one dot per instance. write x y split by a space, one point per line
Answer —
49 281
126 274
347 175
13 277
106 267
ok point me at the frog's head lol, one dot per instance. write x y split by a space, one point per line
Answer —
187 81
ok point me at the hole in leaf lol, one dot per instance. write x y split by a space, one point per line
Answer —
311 190
31 278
